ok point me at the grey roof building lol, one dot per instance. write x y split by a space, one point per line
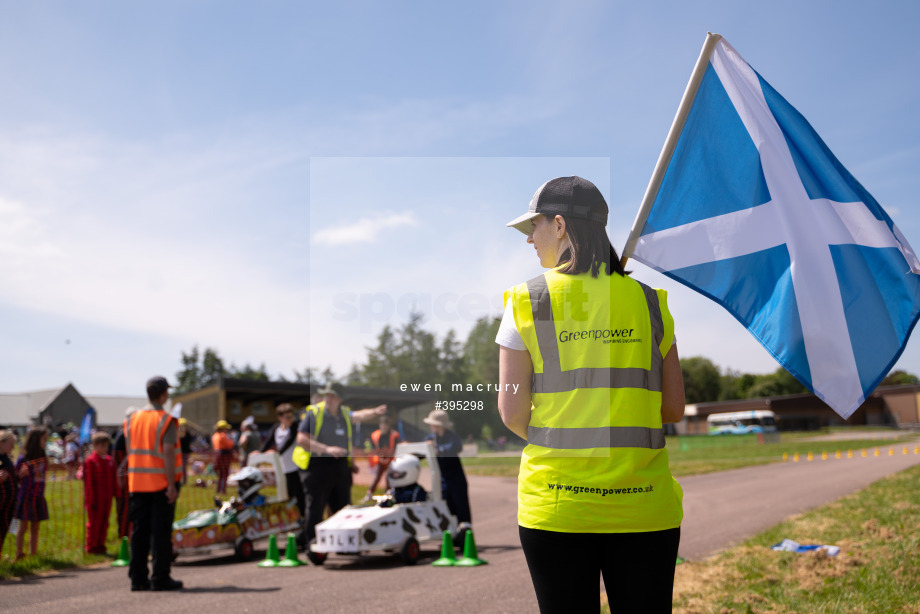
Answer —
61 405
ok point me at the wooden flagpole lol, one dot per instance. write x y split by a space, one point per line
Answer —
654 184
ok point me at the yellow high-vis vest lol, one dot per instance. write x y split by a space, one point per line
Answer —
300 456
595 460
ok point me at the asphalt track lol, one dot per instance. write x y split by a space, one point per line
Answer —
720 509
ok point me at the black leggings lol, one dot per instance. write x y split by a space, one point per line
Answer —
638 570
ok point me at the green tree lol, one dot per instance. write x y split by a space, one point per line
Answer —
199 370
307 376
482 351
899 377
735 385
212 368
454 366
190 375
328 374
412 355
701 379
407 355
778 383
355 376
381 369
248 372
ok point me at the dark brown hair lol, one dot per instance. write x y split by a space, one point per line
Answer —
590 247
33 448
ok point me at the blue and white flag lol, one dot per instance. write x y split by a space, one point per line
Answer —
756 213
86 426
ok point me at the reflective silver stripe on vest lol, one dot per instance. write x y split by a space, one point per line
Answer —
146 470
554 379
158 453
545 328
656 368
566 381
603 437
159 440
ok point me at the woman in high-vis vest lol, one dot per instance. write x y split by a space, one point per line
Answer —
588 374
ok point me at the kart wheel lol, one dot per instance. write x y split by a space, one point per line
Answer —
410 551
243 549
317 558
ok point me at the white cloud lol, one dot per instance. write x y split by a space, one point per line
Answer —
364 230
156 238
24 242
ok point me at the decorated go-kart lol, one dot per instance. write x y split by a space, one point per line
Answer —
237 523
389 525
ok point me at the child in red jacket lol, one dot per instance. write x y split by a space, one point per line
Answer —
99 488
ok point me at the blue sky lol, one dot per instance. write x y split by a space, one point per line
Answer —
278 180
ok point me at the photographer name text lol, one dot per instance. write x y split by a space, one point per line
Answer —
459 387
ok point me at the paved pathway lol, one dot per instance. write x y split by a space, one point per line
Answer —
721 508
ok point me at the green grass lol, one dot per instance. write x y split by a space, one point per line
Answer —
878 531
704 454
61 540
61 537
696 454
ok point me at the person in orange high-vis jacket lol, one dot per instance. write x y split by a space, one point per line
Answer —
223 454
384 440
154 475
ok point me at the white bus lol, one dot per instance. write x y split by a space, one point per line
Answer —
742 422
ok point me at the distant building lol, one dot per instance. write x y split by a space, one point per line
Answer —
231 400
234 400
57 406
892 406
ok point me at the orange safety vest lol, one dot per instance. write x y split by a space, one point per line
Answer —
144 433
386 453
221 442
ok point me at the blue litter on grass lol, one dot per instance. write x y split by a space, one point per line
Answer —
787 545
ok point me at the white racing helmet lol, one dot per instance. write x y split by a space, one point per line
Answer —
404 470
249 480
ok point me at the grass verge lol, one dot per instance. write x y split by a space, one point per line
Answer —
692 455
878 532
61 544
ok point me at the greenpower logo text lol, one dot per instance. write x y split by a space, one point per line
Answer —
619 334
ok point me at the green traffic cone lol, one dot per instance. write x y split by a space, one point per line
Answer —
447 552
290 553
470 558
124 554
271 557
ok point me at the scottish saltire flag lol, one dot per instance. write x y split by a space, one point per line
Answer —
756 213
